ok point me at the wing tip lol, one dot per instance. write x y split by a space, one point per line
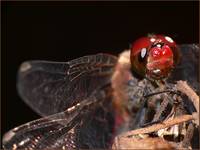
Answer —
8 136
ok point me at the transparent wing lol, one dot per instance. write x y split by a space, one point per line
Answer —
52 87
52 132
39 134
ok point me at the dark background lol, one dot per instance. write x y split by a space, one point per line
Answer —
61 31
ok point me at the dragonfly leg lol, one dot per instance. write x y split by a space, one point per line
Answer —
160 112
162 109
171 91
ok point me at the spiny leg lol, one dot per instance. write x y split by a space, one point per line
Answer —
167 100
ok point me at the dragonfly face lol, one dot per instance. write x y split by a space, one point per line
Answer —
75 100
154 56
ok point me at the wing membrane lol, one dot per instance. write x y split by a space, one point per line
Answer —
55 131
51 87
42 133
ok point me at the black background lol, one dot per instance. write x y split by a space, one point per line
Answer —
61 31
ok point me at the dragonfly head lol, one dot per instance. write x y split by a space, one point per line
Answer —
153 56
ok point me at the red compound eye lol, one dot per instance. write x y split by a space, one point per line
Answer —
136 46
139 50
172 44
167 40
154 56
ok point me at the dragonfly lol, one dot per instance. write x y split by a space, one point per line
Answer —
74 99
